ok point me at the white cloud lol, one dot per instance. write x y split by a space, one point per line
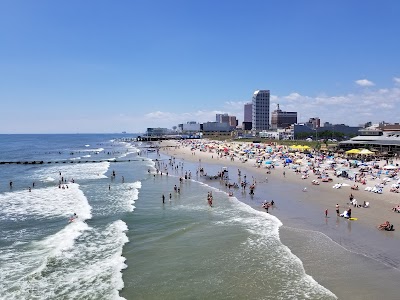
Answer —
371 104
396 80
159 115
352 109
293 96
364 82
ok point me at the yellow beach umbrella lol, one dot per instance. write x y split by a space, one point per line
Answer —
353 151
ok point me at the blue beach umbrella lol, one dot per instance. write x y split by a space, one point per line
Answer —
268 162
288 160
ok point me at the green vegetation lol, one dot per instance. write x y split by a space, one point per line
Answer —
312 144
326 134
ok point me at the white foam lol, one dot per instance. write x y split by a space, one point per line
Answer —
75 158
264 234
88 155
76 171
48 202
48 179
122 198
97 150
87 145
263 229
91 269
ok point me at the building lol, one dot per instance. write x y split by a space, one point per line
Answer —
342 128
279 134
247 126
157 132
385 142
233 122
248 112
222 118
216 129
190 127
314 123
260 110
282 119
215 126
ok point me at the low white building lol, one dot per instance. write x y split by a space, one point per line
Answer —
280 134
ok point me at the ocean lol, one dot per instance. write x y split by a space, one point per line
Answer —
125 243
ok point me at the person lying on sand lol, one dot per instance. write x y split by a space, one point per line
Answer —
384 225
396 208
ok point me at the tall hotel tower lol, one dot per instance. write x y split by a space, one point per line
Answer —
248 107
260 114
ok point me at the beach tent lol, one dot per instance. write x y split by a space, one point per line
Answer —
366 152
353 151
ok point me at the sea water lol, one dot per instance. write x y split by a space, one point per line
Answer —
125 242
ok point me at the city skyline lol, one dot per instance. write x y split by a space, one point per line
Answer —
96 67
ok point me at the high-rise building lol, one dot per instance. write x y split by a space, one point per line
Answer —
282 119
248 112
260 110
222 118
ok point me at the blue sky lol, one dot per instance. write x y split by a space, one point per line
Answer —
112 66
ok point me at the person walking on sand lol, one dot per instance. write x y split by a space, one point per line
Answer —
326 213
337 209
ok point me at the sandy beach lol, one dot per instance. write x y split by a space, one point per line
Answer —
322 195
372 252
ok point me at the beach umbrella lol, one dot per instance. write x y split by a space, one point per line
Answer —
268 162
390 167
366 152
353 151
288 160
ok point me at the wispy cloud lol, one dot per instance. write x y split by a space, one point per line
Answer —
373 104
364 82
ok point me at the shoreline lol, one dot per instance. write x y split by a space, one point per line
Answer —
380 208
302 214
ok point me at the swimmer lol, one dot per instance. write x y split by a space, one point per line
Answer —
73 218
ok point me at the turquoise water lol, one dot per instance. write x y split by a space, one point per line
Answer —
126 243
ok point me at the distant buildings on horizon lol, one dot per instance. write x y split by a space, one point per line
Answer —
256 120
